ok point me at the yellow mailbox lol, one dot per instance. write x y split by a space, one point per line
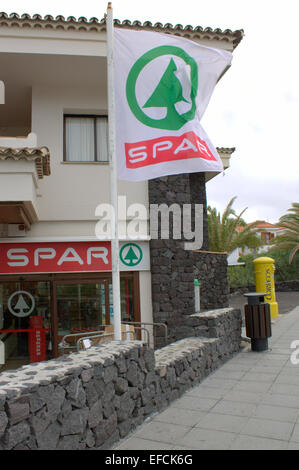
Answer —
264 281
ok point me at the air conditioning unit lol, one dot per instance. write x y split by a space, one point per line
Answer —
16 230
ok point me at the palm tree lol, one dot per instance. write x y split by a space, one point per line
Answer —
290 237
230 231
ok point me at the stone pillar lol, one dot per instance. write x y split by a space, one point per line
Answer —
173 268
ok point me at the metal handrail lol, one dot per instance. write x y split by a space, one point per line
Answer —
112 334
94 333
144 329
64 344
100 336
153 324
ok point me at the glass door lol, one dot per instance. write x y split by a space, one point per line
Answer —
81 306
87 305
25 308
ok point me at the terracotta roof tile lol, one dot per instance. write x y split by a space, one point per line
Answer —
40 155
94 24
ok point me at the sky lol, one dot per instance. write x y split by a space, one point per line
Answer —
255 106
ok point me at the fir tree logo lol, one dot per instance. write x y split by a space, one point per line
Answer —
21 307
131 254
167 93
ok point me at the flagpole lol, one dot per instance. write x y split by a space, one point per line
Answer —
113 176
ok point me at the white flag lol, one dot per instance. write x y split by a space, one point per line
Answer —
163 84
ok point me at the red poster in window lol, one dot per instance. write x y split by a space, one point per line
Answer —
37 339
54 257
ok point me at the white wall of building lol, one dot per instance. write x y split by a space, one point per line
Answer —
73 190
70 195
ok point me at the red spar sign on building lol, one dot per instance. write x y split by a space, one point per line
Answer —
54 257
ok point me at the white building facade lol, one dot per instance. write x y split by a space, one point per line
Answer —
55 274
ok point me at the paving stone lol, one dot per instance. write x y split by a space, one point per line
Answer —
180 416
222 422
277 413
162 432
293 446
244 396
253 376
204 391
268 428
295 434
288 378
285 389
257 443
136 443
220 384
195 403
251 386
234 408
205 439
289 401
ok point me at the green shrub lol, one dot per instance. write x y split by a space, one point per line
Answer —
284 271
243 276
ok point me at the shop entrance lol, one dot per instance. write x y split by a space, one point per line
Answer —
88 305
36 312
25 322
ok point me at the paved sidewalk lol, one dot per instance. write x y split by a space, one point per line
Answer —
251 402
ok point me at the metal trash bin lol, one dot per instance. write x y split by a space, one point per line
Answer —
257 320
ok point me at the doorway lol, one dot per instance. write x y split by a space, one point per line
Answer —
24 306
87 305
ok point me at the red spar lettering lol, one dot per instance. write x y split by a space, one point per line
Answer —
167 149
55 257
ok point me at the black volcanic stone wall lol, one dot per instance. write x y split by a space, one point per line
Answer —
174 269
91 399
182 189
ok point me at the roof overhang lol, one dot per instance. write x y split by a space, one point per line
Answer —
225 154
226 39
20 170
39 155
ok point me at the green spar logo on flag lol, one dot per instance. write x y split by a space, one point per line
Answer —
168 92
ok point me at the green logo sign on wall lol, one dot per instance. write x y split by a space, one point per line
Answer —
131 254
168 92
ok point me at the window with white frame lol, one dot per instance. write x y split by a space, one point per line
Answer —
85 138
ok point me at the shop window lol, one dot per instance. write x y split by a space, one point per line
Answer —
86 138
86 307
80 307
57 308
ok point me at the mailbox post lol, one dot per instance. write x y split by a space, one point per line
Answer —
264 281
